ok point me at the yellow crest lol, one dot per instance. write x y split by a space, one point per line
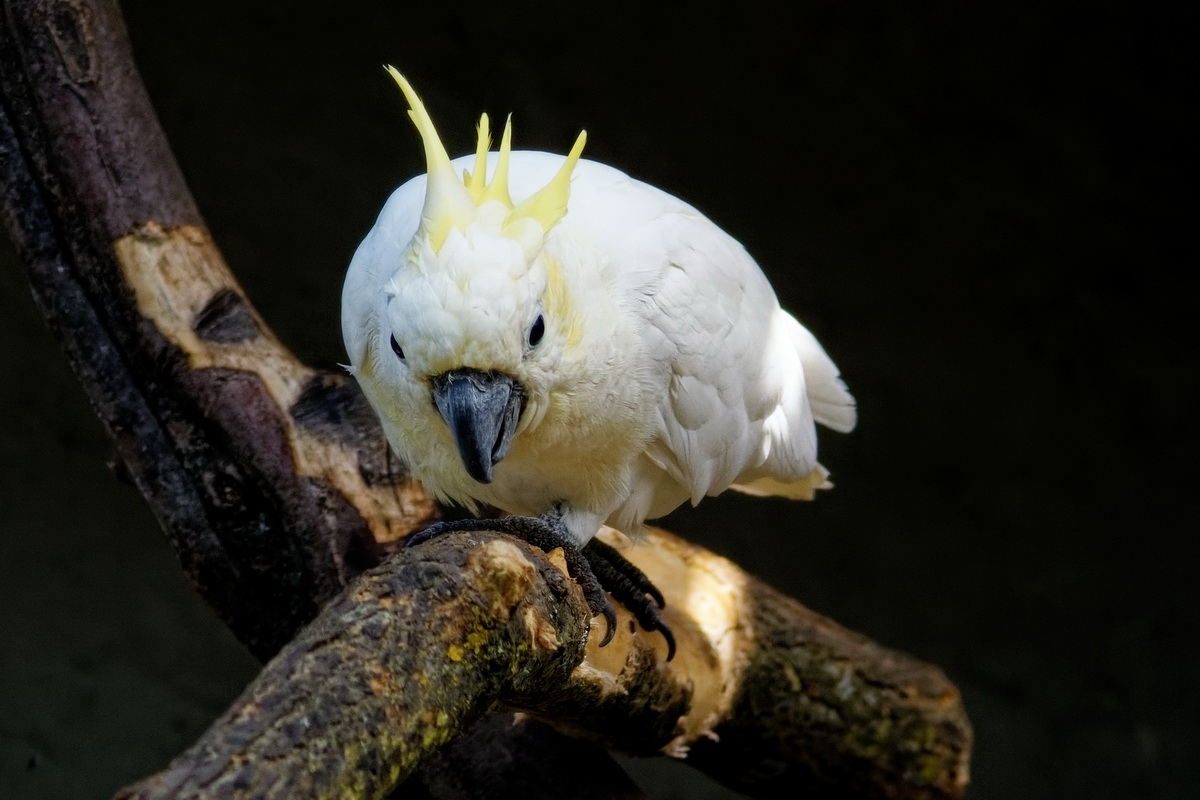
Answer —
451 202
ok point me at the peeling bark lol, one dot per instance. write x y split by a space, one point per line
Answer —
269 518
273 484
770 699
408 658
209 415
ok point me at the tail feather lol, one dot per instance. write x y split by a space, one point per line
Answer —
832 404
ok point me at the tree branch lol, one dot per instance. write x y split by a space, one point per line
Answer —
270 480
764 694
269 477
413 654
273 484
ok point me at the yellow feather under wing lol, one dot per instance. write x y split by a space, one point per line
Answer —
804 489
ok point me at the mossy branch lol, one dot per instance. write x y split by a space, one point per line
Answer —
273 484
764 694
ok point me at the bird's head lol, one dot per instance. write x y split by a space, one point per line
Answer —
475 320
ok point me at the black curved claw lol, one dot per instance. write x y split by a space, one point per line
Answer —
631 587
625 567
661 627
581 570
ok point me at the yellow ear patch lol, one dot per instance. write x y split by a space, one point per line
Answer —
558 305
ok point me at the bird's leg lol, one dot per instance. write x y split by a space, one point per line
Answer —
630 586
546 533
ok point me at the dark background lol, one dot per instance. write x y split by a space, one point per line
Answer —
979 210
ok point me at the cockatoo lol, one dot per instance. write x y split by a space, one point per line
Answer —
549 337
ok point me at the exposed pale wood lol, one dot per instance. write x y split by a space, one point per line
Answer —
94 203
766 695
273 484
270 478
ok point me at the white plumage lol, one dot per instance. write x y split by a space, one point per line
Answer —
664 369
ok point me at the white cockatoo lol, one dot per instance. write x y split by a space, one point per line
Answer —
550 337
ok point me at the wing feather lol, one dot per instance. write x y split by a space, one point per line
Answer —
741 382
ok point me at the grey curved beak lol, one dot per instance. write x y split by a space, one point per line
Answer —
482 410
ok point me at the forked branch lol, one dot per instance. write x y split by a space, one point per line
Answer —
764 694
273 484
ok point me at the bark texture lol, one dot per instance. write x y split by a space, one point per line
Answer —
764 694
271 480
273 484
407 659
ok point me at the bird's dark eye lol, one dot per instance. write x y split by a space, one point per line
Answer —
396 347
537 331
